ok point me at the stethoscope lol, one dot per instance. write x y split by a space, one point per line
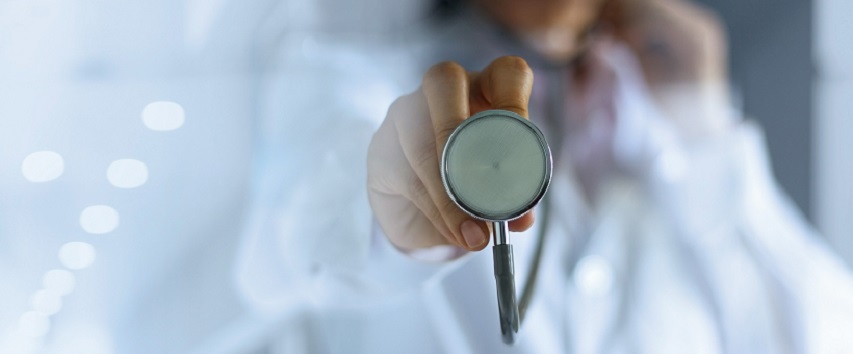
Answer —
496 166
473 154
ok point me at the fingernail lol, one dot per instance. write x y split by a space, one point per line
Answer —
473 234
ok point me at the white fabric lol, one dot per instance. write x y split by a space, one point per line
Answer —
687 246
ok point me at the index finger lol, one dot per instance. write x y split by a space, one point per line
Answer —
505 84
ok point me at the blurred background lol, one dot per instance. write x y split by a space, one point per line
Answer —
129 132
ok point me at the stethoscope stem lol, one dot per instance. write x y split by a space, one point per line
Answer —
505 281
500 232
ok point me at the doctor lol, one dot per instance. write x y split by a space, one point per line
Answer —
664 231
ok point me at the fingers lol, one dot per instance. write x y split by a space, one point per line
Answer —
405 212
505 84
406 226
522 223
405 187
446 89
452 95
444 105
675 41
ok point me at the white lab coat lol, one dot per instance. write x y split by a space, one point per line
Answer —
673 245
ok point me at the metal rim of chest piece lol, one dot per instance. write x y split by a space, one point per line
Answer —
474 212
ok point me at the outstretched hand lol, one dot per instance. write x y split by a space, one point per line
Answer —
404 183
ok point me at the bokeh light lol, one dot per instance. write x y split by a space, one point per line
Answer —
99 219
163 115
593 276
42 166
77 255
127 173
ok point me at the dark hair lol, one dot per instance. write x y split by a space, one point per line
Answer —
445 9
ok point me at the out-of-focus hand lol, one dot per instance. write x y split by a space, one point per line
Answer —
675 40
682 51
404 184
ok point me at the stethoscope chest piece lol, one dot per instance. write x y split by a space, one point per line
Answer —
496 166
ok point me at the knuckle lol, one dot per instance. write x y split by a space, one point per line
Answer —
396 107
399 107
379 154
426 158
443 71
383 171
434 215
373 160
417 190
380 184
428 209
452 212
454 219
374 154
514 63
444 130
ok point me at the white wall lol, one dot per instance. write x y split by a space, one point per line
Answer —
833 124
